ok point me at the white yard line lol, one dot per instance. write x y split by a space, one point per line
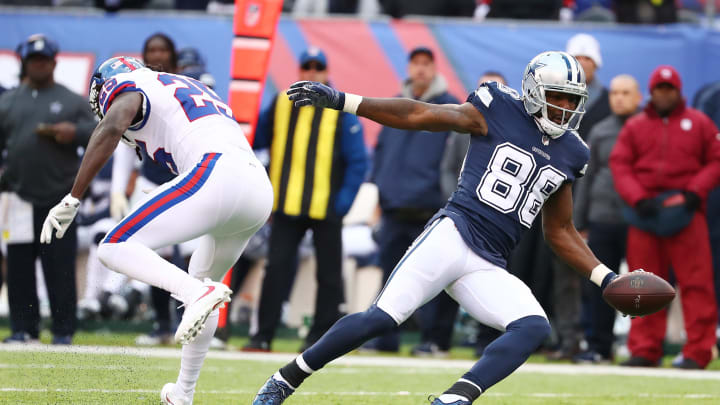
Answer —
373 361
369 393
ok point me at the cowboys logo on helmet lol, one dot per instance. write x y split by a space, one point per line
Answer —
557 72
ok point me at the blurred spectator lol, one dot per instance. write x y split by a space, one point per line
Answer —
450 8
599 219
42 125
566 282
94 222
406 170
317 163
664 164
707 100
525 9
191 4
310 7
191 63
586 49
160 54
646 11
457 147
115 5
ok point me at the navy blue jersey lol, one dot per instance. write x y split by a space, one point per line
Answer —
508 174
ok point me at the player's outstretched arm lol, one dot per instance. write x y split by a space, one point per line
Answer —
566 242
102 144
105 138
400 113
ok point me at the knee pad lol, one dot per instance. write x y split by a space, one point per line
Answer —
533 327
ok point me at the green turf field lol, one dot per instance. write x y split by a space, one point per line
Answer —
84 378
31 377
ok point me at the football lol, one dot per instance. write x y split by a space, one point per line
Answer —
639 293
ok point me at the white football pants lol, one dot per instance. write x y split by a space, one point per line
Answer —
440 260
226 197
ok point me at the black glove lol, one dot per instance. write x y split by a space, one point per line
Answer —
316 94
692 201
646 207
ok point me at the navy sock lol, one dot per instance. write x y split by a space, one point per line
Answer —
509 351
464 389
348 334
293 374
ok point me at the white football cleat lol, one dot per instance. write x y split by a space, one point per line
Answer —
171 395
212 295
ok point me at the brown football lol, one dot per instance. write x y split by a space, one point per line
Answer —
638 293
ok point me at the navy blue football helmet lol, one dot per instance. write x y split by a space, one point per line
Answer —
104 72
190 58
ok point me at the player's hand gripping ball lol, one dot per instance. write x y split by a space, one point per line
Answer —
638 293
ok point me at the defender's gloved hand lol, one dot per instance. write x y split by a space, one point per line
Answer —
316 94
59 218
119 206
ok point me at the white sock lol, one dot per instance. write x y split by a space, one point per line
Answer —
193 355
450 398
142 263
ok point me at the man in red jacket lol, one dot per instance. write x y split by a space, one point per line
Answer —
670 147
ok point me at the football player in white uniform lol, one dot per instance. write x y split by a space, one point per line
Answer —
222 193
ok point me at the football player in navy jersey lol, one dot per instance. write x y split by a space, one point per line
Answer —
524 154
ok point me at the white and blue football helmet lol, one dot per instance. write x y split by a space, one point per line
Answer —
105 72
560 72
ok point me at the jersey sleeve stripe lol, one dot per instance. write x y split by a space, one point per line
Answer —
120 88
146 112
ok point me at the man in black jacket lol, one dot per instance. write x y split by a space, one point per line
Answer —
406 170
42 125
317 162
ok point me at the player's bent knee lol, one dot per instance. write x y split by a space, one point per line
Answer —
373 322
107 253
533 327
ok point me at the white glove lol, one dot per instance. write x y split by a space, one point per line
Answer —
119 206
481 11
59 218
566 14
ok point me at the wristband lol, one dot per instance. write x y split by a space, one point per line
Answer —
352 102
598 274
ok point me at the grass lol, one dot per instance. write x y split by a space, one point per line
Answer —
74 378
55 378
122 334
